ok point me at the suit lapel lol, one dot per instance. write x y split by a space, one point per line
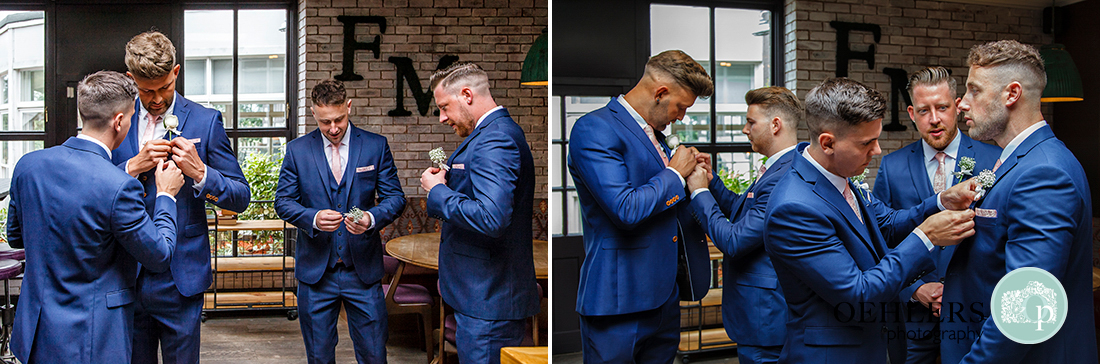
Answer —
918 172
1040 135
631 127
355 143
966 149
825 189
134 122
181 112
317 148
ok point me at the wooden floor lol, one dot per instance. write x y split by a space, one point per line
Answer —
276 340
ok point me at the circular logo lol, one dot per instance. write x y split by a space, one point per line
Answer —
1029 305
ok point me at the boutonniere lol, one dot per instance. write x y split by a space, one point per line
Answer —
170 123
355 214
985 180
672 141
966 168
864 188
439 157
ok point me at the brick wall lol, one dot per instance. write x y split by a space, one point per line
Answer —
914 34
495 34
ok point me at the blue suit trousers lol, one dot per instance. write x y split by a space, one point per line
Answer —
167 319
650 336
319 310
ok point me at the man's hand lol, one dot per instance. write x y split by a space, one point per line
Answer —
151 154
357 227
187 158
699 178
329 220
960 196
929 293
683 160
169 179
431 177
948 227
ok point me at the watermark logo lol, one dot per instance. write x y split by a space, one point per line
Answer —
1029 305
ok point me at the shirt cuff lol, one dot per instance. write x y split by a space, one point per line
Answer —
315 228
939 202
682 181
927 243
199 185
697 191
371 227
166 194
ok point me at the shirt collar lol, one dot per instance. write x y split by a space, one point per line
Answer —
775 157
142 112
104 146
836 180
482 118
634 114
343 141
1011 147
952 148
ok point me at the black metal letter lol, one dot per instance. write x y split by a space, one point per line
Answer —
898 80
845 54
351 45
406 73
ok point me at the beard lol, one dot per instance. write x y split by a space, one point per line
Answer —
940 144
994 126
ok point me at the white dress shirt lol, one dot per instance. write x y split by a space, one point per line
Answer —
158 129
930 163
344 152
1011 147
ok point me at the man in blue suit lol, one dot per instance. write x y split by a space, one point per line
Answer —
169 307
827 237
85 230
643 251
326 173
753 310
909 175
486 270
1036 214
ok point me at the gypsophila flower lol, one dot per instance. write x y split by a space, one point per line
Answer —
966 168
439 157
355 213
986 179
863 186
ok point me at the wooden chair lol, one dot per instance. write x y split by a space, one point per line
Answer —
403 298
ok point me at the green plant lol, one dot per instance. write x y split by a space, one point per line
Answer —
736 182
262 172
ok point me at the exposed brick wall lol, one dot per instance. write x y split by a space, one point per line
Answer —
914 34
495 34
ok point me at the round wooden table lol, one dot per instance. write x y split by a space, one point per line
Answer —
423 250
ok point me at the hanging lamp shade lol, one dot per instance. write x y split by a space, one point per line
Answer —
535 65
1063 81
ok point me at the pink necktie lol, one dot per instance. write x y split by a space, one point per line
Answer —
939 180
149 128
653 138
852 200
998 165
760 171
337 170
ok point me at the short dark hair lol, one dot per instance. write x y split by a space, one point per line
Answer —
842 102
684 70
931 76
460 73
102 95
329 92
1021 62
775 99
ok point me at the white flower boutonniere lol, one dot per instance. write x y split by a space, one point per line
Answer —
864 188
439 157
985 179
966 168
673 141
355 214
171 122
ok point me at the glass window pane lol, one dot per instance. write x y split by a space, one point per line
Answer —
738 169
10 152
261 115
574 201
262 52
559 165
34 85
260 160
35 120
227 113
555 116
223 76
577 106
4 89
556 216
729 128
194 74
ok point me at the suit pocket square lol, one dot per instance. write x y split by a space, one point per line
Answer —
458 166
364 169
990 213
195 140
749 195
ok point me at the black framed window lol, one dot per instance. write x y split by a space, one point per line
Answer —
22 86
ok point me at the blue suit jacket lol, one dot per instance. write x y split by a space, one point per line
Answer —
902 182
225 187
753 309
485 253
85 229
306 186
1043 219
634 213
827 261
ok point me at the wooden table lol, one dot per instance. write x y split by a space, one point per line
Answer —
525 355
423 250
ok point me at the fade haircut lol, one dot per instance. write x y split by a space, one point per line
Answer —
1014 62
150 55
684 70
932 76
840 103
102 95
461 74
777 101
329 92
